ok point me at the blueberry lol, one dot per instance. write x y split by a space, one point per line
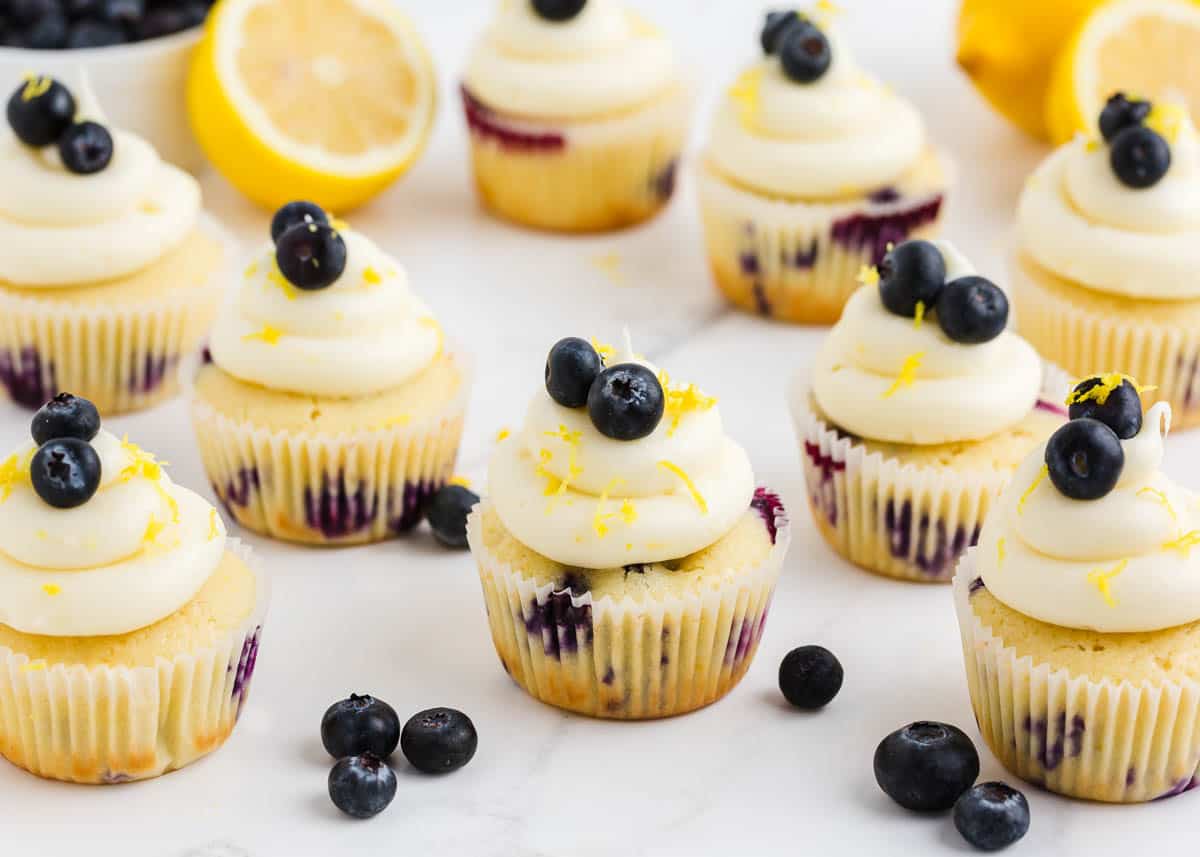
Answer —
558 10
48 33
1140 157
1085 459
992 816
311 255
122 11
86 148
27 12
164 21
362 786
40 110
65 472
805 53
92 33
1121 409
447 513
65 416
626 402
926 766
439 740
77 9
972 310
910 273
360 724
777 25
294 214
1121 113
810 677
571 368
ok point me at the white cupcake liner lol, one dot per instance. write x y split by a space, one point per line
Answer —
327 488
889 516
800 261
122 357
1104 740
624 659
113 724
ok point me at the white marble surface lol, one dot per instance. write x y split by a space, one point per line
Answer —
405 620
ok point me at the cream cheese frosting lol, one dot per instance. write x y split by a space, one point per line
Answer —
365 333
888 378
604 60
135 553
1076 219
61 229
583 499
843 134
1123 563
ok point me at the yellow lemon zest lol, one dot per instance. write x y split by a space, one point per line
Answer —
687 480
1102 580
1042 474
1160 498
828 7
172 504
606 351
868 275
1166 119
746 92
908 374
600 517
338 224
276 278
628 512
1093 145
154 529
1000 551
251 270
503 434
51 589
557 486
432 323
680 401
35 86
213 530
1184 543
460 481
1099 392
610 265
142 463
270 335
13 469
371 277
919 316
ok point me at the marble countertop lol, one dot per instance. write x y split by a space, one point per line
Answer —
404 620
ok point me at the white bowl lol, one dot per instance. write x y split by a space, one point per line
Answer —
141 87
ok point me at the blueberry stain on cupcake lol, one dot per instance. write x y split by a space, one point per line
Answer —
1138 134
42 113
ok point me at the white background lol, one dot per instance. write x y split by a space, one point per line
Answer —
405 621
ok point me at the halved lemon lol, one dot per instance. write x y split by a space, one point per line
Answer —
324 100
1148 48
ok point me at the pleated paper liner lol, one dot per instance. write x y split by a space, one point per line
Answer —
113 724
623 659
578 176
1108 740
123 357
1157 342
800 261
889 516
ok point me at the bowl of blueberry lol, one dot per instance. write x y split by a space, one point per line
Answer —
134 52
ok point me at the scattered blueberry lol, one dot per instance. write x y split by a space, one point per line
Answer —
926 766
626 402
912 272
65 416
29 11
1121 113
447 513
558 10
48 33
360 724
295 214
94 33
362 786
311 256
1121 411
776 27
992 816
40 111
65 472
571 368
122 11
972 310
439 740
1085 459
1140 157
86 148
805 53
810 677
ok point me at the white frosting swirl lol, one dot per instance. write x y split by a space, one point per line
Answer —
1118 564
843 134
951 391
583 499
136 552
60 229
603 60
363 334
1076 219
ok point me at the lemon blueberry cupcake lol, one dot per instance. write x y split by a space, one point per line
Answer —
577 115
1108 247
109 271
812 168
328 407
129 623
1080 608
920 404
627 558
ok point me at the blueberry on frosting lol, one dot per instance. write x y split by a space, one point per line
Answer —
85 148
40 111
571 367
1084 459
1140 157
805 53
778 25
294 214
558 10
626 402
65 472
311 255
911 274
1112 399
972 310
65 416
1120 113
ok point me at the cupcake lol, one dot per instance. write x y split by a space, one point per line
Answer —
577 115
1080 609
920 405
1107 248
812 169
109 272
627 558
129 623
327 405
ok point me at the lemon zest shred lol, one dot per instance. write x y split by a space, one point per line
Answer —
251 270
276 278
1160 498
599 518
371 277
154 529
1042 474
13 469
1166 119
687 480
919 315
1000 551
270 335
338 225
606 351
51 589
868 275
213 530
502 435
1184 543
35 86
746 93
1093 145
1102 580
1099 392
432 323
908 374
558 486
610 265
680 401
